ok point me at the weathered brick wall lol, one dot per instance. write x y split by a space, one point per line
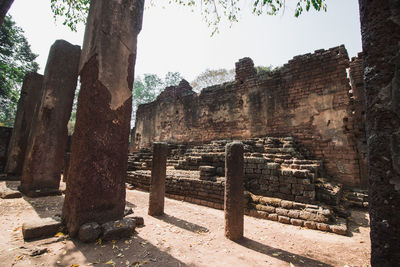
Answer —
308 99
206 193
5 136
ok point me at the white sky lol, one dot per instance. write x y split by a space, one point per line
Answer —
175 39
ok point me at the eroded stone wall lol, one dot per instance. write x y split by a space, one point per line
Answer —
308 98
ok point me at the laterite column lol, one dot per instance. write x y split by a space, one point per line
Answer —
44 155
157 184
31 95
99 151
234 197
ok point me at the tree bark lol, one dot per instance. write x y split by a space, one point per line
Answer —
380 26
4 7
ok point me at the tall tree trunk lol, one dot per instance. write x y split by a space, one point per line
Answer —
380 26
4 7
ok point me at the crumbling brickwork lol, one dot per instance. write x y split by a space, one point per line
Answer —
308 98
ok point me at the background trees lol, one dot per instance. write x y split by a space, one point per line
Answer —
147 87
212 77
16 59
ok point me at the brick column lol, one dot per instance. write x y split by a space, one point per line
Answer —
234 197
99 151
31 95
157 184
48 137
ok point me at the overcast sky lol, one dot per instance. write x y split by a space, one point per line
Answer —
175 39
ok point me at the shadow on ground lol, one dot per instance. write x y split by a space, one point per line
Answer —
283 255
135 251
359 218
192 227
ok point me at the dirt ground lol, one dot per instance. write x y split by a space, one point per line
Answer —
187 235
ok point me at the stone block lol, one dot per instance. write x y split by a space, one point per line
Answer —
41 228
339 229
266 171
301 173
294 214
118 229
285 189
276 202
296 222
286 204
272 217
309 194
323 227
89 232
281 211
7 193
262 214
310 225
284 219
305 215
268 209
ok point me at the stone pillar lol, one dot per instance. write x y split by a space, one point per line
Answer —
47 140
31 95
380 28
99 152
234 196
157 184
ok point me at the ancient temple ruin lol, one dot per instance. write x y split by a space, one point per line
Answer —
303 132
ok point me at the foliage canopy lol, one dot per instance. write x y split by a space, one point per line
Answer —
75 11
147 87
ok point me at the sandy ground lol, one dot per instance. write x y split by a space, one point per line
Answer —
187 235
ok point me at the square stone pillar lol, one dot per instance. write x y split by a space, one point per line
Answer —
234 188
47 140
31 96
157 184
99 151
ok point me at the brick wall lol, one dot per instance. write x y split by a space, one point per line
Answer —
308 99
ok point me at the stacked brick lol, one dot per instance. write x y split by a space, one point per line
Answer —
244 69
355 198
140 160
185 187
272 167
295 213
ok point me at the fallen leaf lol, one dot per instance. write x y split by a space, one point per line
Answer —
16 229
99 241
110 262
20 257
59 234
75 265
